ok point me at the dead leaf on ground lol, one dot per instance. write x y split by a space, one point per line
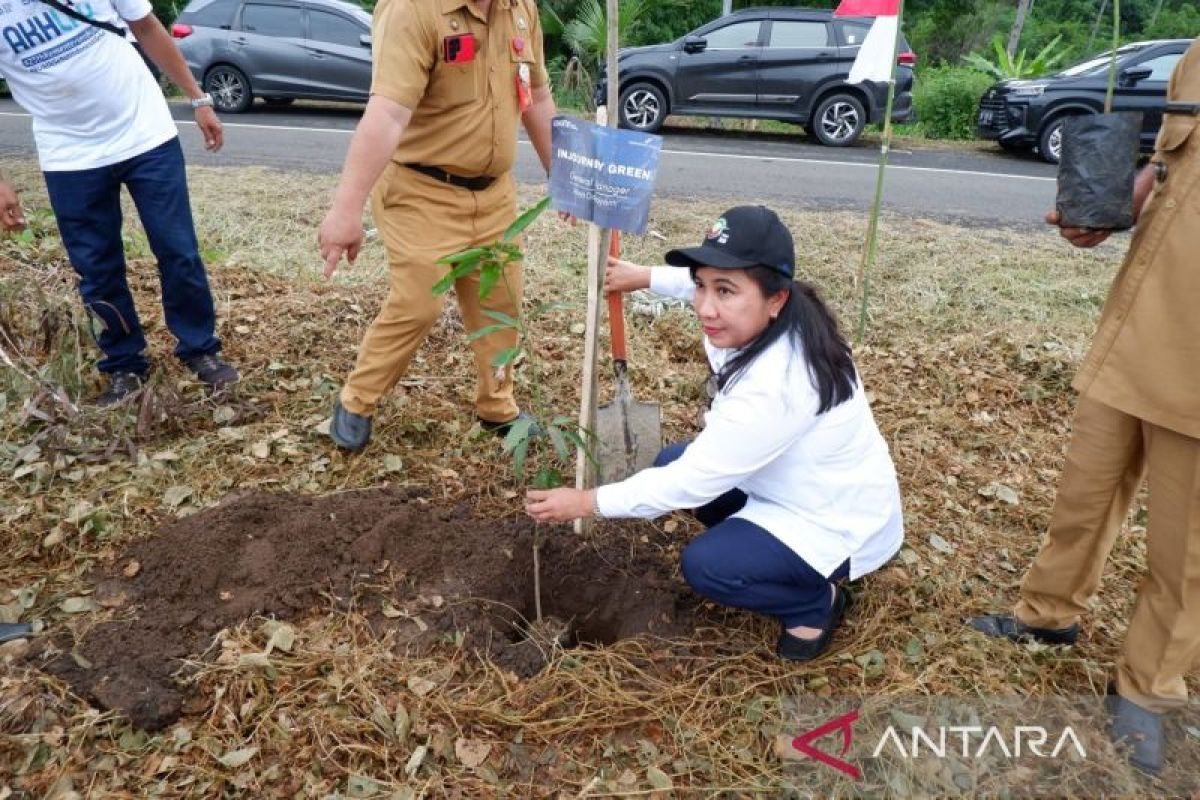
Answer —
470 752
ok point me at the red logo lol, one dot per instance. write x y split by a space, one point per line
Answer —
845 724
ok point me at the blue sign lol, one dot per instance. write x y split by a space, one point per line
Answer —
603 175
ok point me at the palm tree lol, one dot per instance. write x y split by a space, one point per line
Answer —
587 34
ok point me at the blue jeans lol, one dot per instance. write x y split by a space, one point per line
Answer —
737 563
87 205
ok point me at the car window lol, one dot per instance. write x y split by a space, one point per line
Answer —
1162 66
798 34
333 28
853 33
283 21
1098 63
739 34
209 13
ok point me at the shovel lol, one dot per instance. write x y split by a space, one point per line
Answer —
628 432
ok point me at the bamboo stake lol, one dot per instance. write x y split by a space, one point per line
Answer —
885 147
1112 63
598 248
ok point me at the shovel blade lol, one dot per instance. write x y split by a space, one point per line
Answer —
628 437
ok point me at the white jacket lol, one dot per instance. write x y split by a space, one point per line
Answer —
824 485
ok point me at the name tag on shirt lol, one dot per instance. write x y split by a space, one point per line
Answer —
459 49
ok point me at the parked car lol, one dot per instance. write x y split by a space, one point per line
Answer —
278 50
1022 115
773 63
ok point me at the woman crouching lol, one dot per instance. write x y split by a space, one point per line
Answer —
790 474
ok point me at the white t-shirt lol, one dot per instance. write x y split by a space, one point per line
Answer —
93 101
823 485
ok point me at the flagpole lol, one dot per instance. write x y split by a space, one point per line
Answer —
868 259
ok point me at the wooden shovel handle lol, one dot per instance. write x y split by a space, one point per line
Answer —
616 307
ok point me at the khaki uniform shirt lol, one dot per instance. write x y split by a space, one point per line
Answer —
465 113
1145 359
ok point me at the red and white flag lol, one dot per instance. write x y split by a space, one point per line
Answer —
875 60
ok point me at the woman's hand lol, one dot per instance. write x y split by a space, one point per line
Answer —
625 276
559 505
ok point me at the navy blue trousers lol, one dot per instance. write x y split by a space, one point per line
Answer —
87 205
737 563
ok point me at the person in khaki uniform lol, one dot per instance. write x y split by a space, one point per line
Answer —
437 143
1138 418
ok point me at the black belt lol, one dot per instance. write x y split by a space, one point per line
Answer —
1182 108
438 174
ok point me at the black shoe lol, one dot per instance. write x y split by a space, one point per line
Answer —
793 648
212 371
121 386
1139 730
501 429
14 630
348 430
1006 626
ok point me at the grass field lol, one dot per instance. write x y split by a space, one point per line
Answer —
973 337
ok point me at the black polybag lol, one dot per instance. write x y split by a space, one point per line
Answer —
1096 170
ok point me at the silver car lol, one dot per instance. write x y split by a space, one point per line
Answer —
278 50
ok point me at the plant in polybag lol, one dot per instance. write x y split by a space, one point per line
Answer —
1099 160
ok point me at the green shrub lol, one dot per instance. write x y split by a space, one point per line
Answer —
946 100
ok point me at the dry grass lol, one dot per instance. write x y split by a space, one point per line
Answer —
974 335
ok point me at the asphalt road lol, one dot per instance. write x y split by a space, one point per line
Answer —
960 186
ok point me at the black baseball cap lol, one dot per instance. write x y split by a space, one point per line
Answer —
742 237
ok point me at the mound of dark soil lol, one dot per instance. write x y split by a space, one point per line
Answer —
287 555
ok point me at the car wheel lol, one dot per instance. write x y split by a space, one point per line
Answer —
839 120
1050 141
279 101
643 107
230 89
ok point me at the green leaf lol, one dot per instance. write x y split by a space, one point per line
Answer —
526 219
474 254
547 478
560 443
489 276
500 316
487 330
506 356
462 270
519 456
574 438
519 432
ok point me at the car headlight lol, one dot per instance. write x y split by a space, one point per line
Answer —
1032 90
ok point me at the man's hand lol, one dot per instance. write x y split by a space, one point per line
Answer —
340 234
210 127
12 218
624 276
559 505
1080 237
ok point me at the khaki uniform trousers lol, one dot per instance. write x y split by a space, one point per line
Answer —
421 220
1109 455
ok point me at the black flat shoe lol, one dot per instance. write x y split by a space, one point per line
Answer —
793 648
1006 626
348 430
